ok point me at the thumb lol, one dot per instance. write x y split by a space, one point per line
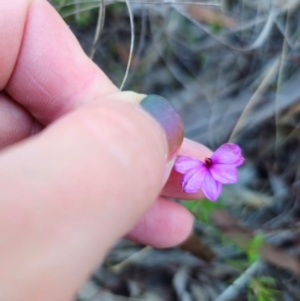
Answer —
68 193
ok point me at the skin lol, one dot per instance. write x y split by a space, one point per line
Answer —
56 162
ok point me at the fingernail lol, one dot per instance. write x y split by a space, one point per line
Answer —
166 115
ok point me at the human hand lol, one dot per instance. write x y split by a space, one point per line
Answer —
81 163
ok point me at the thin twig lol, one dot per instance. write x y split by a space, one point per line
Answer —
234 290
99 28
77 10
255 98
117 268
281 75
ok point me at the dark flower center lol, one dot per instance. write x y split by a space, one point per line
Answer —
208 162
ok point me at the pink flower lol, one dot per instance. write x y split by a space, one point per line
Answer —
220 168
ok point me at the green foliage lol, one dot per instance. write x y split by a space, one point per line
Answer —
262 289
84 18
253 251
117 9
202 209
58 2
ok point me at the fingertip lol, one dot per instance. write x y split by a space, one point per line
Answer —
194 149
165 225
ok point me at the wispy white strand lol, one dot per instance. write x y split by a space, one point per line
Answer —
161 2
131 44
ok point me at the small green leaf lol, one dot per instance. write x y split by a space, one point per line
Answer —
253 251
215 27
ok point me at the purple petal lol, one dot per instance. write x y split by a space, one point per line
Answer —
210 187
184 164
223 173
192 180
228 153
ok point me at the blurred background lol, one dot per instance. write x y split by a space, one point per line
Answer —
232 69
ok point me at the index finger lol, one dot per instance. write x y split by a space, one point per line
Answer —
45 70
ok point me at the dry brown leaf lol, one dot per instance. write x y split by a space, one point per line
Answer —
210 16
195 246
